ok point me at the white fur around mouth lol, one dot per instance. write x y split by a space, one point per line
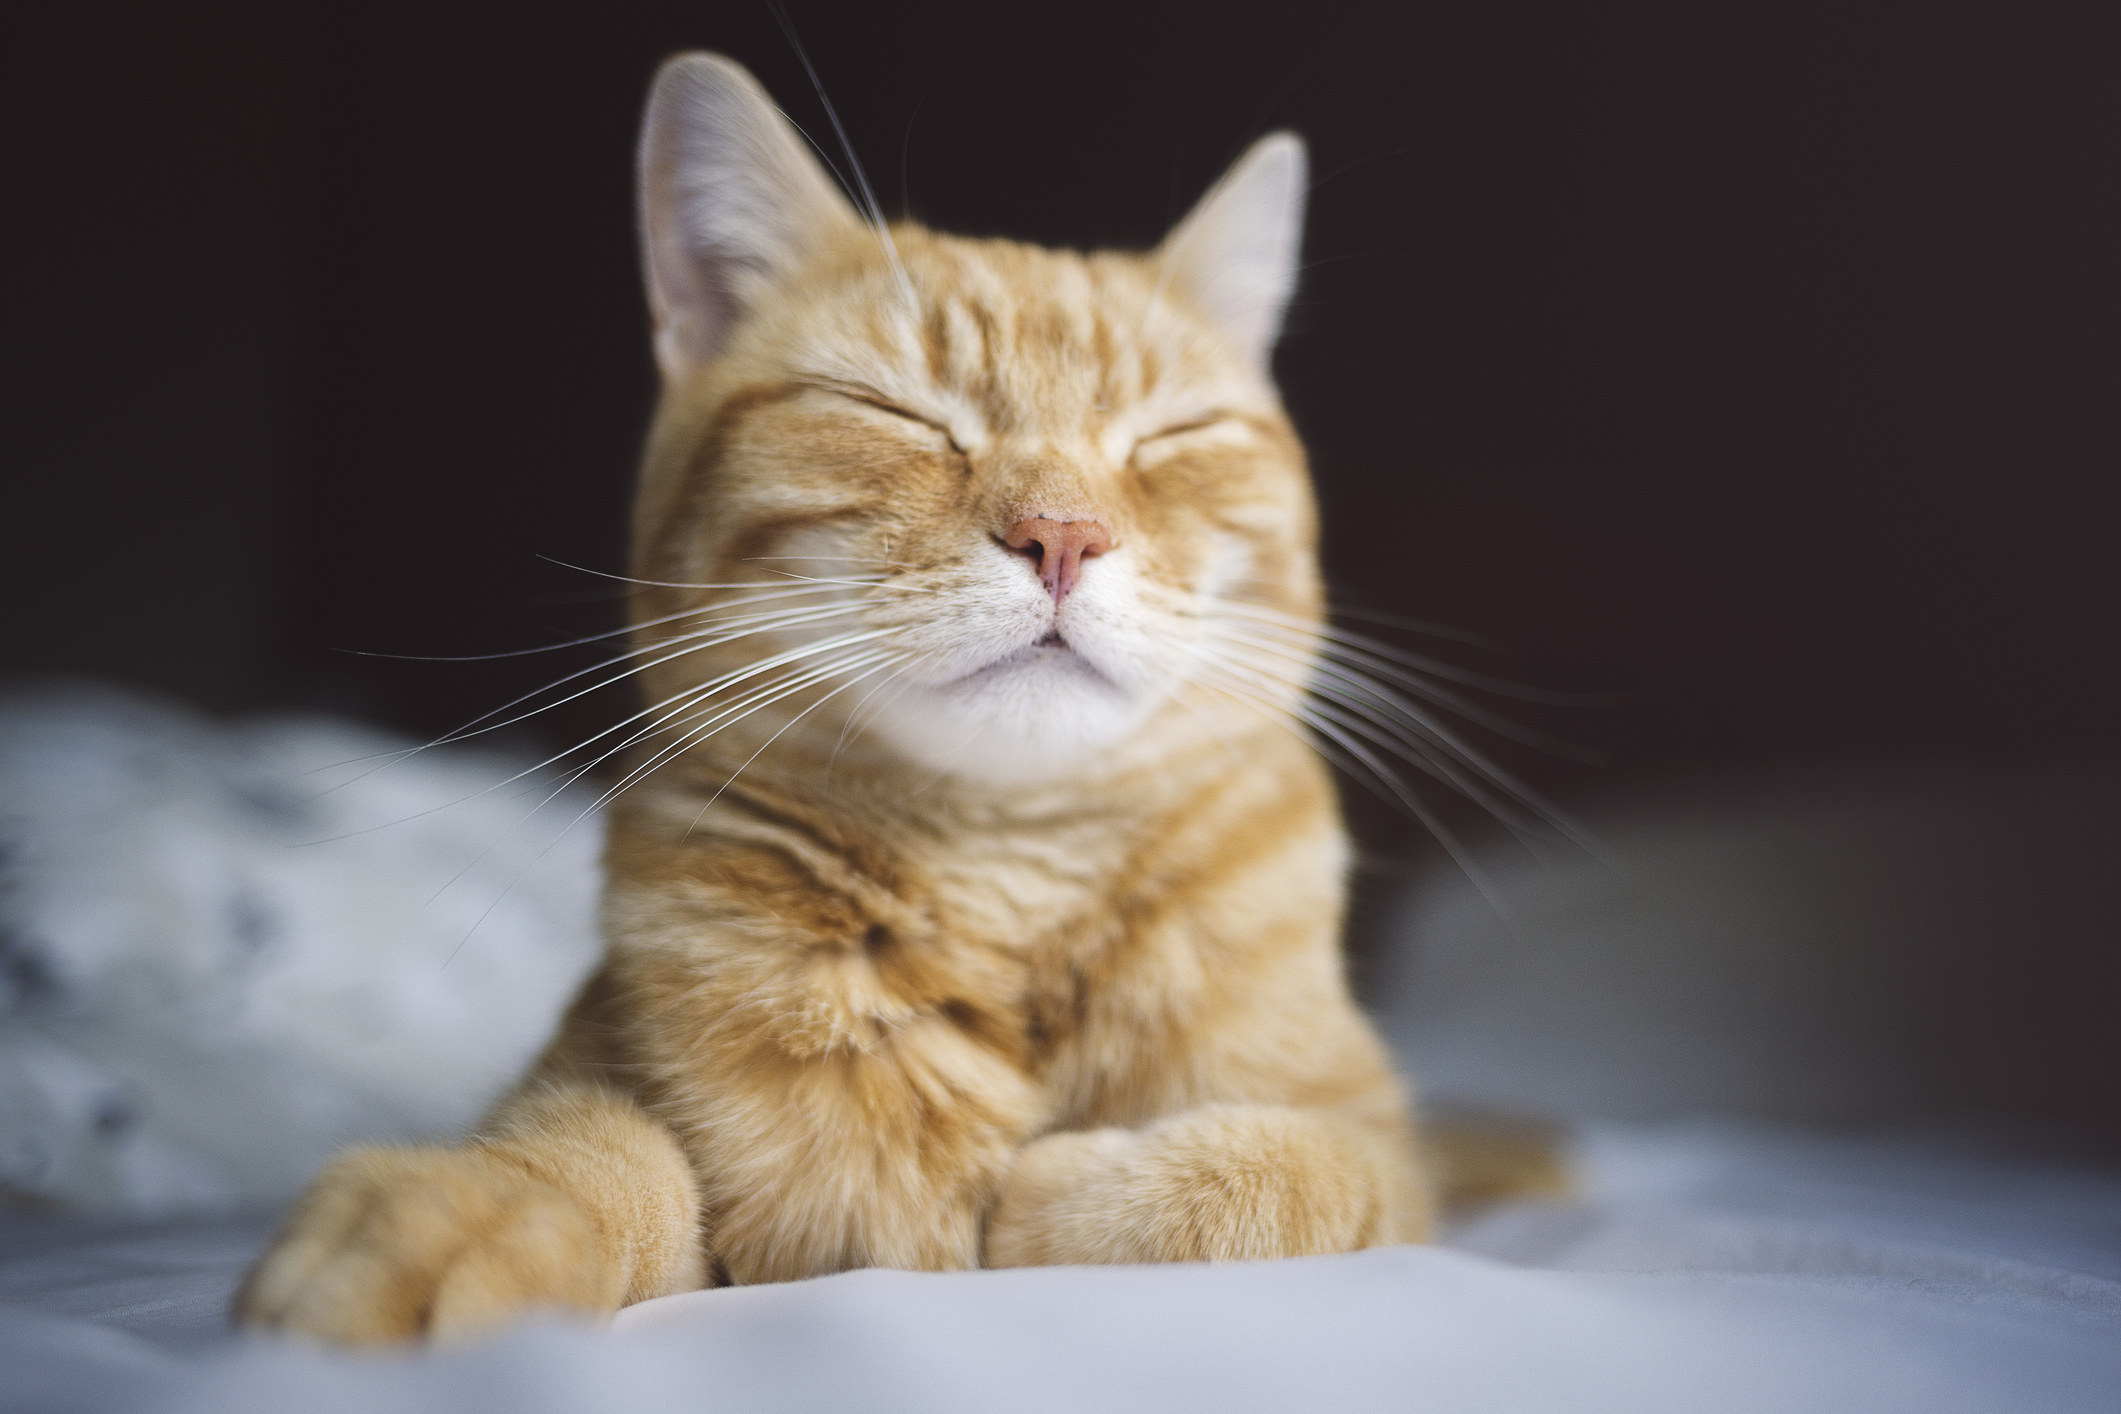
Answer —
1051 654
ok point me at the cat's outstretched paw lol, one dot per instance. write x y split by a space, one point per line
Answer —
393 1245
1217 1183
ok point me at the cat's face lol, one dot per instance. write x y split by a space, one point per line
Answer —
999 495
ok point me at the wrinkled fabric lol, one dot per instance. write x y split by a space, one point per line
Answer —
1705 1267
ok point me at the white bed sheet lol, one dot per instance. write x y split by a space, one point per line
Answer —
1706 1268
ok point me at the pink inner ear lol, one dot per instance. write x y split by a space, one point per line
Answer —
1236 252
730 196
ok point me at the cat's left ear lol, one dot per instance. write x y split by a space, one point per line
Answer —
1235 253
731 203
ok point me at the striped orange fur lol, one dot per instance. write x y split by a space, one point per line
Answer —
994 919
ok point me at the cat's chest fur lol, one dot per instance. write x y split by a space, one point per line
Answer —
1070 957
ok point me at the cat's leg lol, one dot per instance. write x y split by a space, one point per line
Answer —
1219 1182
884 1155
571 1197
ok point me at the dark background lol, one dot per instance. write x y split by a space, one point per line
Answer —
1755 362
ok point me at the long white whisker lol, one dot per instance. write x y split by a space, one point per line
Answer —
586 638
1385 776
1457 702
1365 719
635 775
693 693
869 583
678 713
764 698
1427 730
1366 661
683 703
1384 733
1450 672
1463 706
873 211
847 731
472 728
1455 747
760 696
1427 628
874 584
712 636
1428 818
777 736
1285 718
728 716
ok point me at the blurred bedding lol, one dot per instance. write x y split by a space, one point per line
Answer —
229 949
1831 1053
1710 1267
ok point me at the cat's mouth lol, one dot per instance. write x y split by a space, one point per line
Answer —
1050 653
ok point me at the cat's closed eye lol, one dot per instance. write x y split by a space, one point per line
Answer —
1179 429
879 402
1153 446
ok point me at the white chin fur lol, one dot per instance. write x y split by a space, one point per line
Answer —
1012 721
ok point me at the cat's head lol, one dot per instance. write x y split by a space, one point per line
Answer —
998 495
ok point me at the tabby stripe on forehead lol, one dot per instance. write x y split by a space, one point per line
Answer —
1105 355
990 387
935 343
1152 369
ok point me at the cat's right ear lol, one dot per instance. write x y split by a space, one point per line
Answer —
731 200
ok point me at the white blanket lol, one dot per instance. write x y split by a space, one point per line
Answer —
1707 1268
225 950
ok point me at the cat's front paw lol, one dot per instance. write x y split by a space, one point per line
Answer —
1218 1183
393 1245
1057 1198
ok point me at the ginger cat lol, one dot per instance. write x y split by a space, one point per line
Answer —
973 898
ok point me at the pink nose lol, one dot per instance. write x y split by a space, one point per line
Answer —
1059 547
